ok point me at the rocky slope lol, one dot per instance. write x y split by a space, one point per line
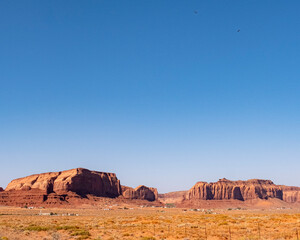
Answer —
172 197
140 192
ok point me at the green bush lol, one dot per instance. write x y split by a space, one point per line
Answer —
66 227
37 228
82 233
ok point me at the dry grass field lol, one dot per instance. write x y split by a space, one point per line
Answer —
148 223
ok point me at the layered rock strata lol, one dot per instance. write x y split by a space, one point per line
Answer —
75 186
237 190
291 194
79 180
140 192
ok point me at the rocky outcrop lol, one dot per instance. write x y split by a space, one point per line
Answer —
141 192
235 190
80 181
75 186
1 189
172 197
57 188
291 194
82 186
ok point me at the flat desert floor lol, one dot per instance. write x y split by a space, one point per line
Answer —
148 223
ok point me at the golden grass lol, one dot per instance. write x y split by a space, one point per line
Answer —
148 224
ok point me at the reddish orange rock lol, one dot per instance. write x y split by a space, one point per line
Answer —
291 194
236 190
141 192
72 187
79 180
172 197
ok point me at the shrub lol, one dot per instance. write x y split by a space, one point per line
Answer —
37 228
82 233
67 227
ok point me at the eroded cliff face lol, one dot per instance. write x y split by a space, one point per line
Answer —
72 187
141 192
82 186
60 188
79 180
236 190
291 194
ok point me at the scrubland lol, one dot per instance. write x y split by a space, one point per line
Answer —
148 223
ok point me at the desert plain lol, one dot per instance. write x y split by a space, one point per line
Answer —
84 204
139 222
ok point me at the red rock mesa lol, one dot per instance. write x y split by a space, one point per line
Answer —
73 186
239 190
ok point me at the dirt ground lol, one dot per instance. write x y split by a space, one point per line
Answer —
146 223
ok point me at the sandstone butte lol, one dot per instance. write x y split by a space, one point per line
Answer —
291 194
140 192
241 191
75 186
82 186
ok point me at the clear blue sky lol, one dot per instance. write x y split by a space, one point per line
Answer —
150 90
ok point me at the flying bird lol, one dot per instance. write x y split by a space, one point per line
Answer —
238 30
196 12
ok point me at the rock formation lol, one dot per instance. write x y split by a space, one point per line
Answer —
235 190
172 197
74 187
79 180
1 189
291 194
82 186
140 192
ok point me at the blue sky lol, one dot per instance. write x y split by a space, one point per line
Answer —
150 90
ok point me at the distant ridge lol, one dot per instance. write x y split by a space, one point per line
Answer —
228 191
82 186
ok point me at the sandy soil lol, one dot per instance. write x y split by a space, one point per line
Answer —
148 223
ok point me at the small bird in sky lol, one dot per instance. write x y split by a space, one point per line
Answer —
238 30
196 12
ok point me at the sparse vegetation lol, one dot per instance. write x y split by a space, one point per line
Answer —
82 233
150 223
170 205
37 228
67 227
